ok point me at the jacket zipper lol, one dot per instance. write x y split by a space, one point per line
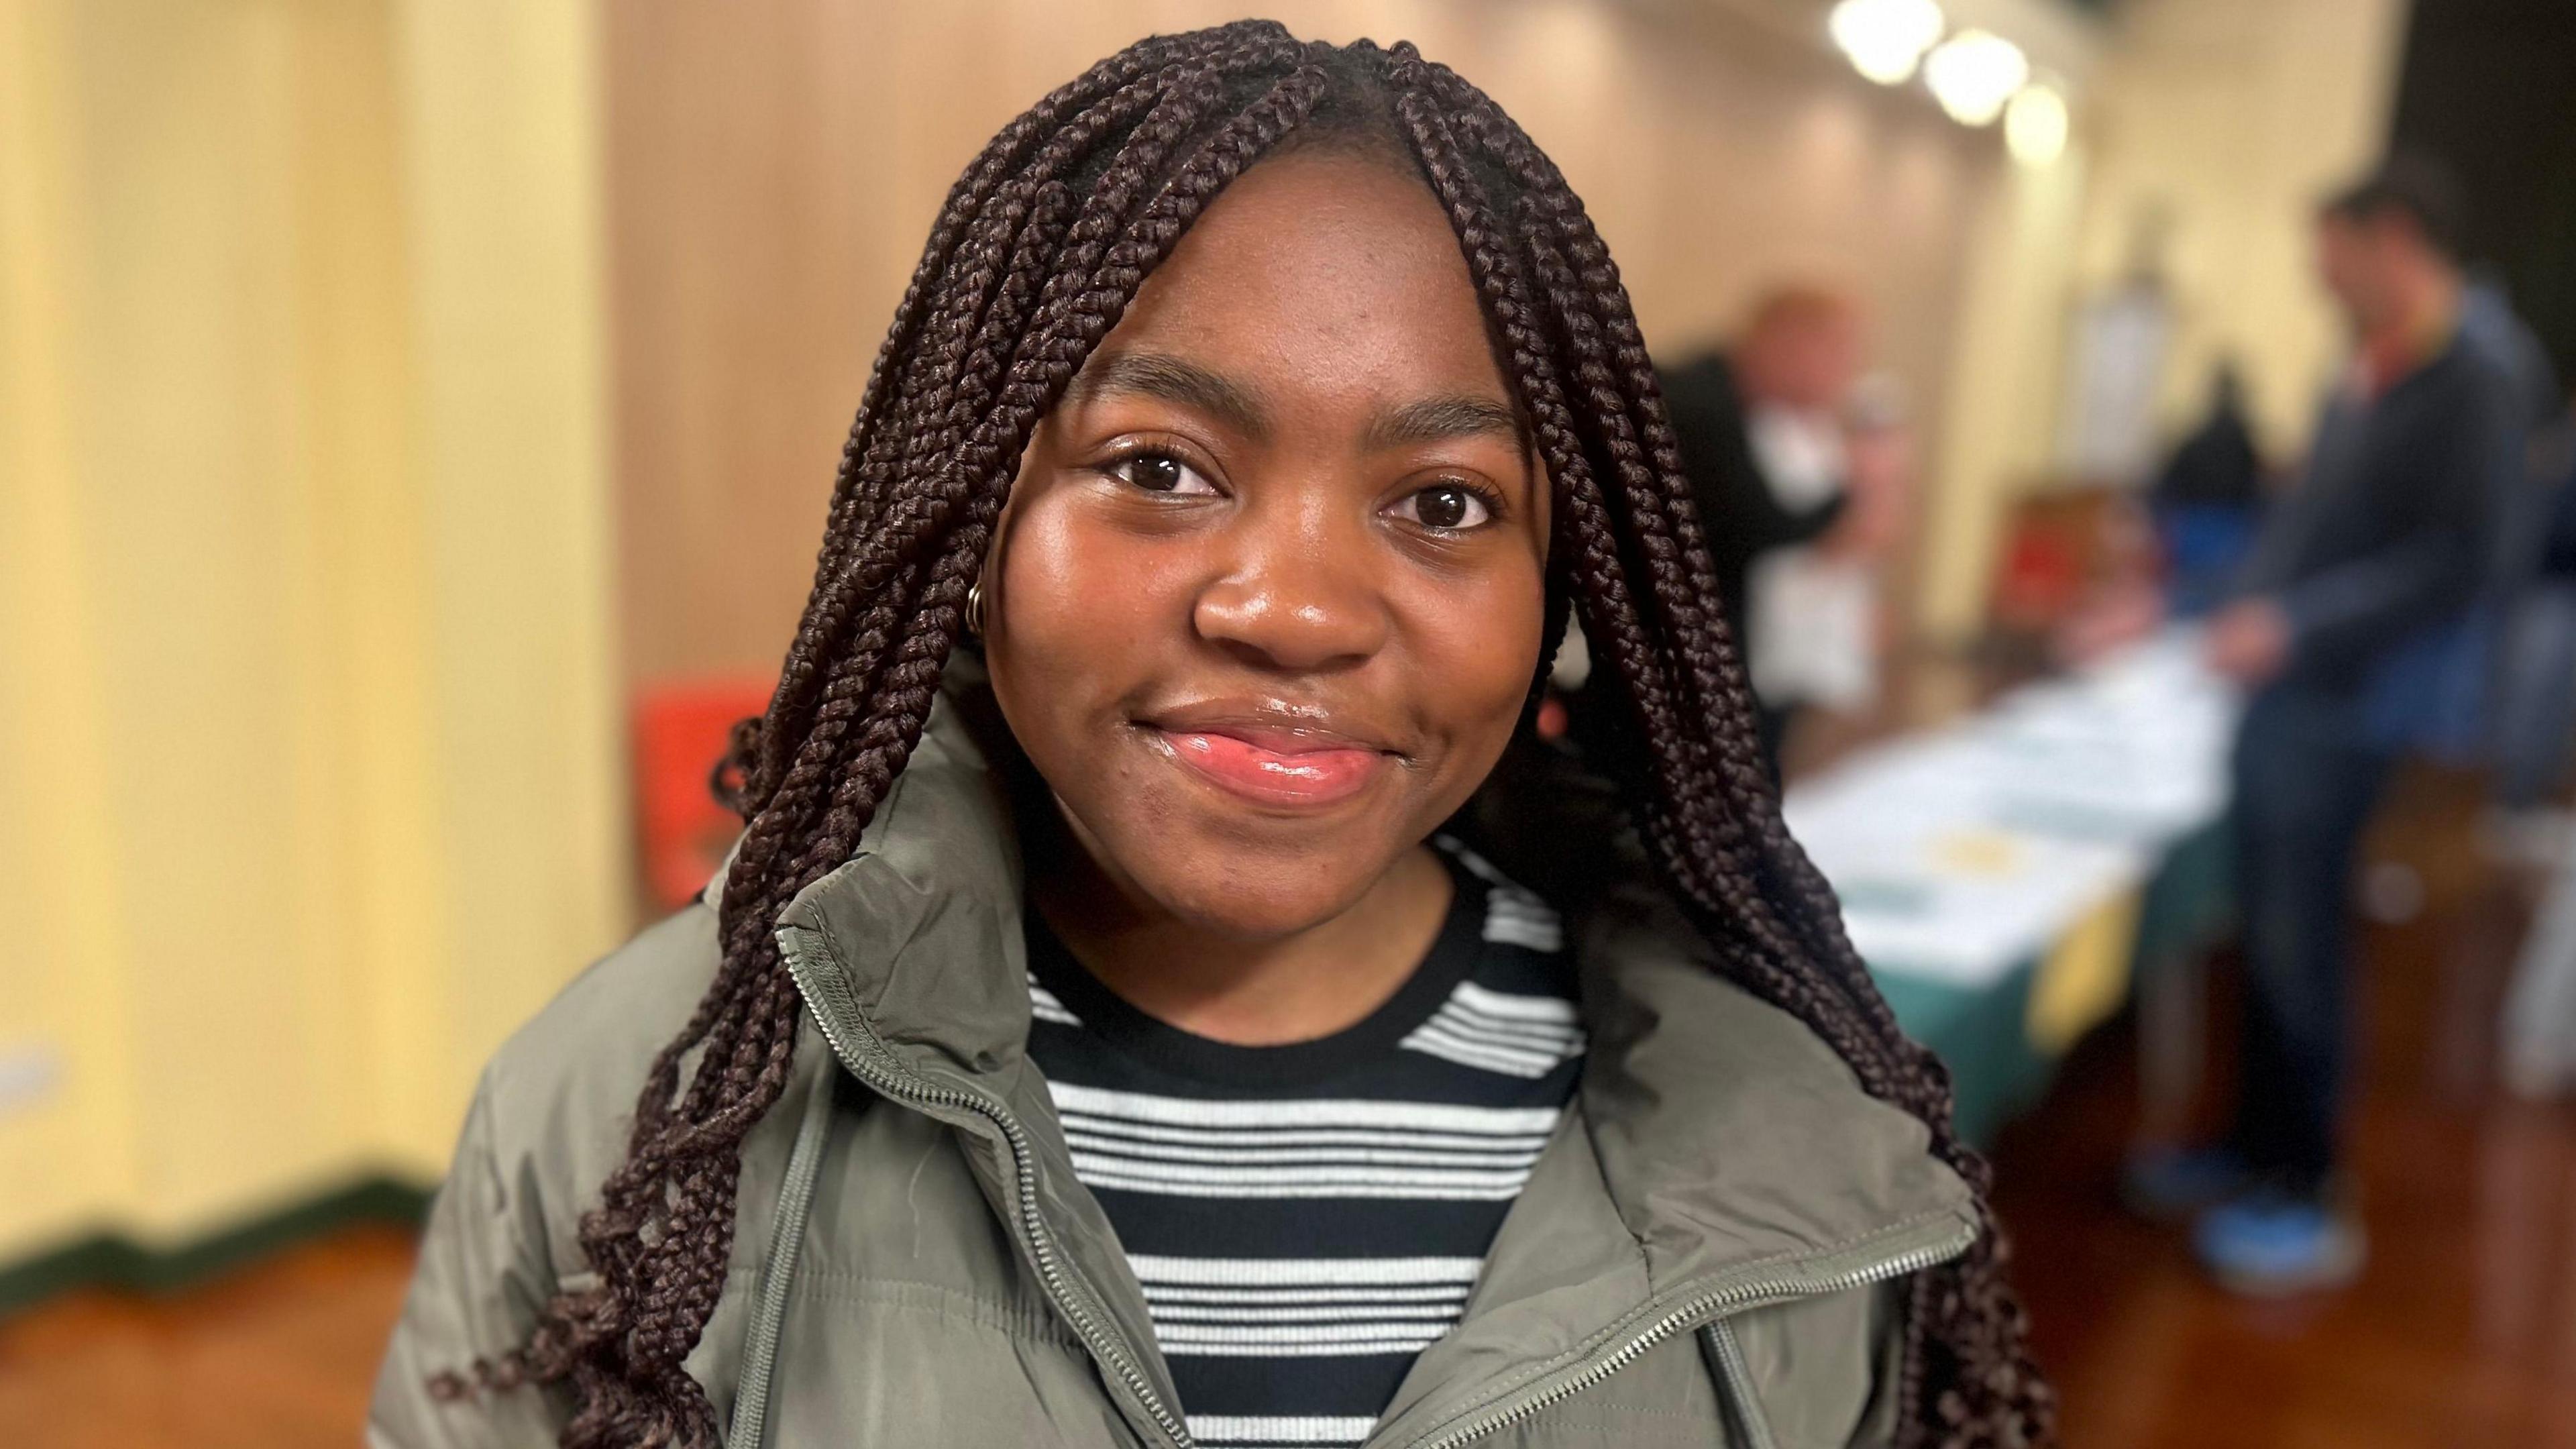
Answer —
864 1061
786 1239
1738 1380
1735 1298
870 1063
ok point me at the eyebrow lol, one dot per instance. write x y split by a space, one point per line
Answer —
1169 379
1439 419
1161 376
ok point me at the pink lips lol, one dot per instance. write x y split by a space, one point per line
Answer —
1277 767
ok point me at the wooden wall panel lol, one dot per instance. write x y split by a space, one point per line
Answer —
775 164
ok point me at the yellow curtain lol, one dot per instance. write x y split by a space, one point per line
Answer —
310 785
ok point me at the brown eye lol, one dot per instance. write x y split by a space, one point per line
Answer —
1450 507
1159 473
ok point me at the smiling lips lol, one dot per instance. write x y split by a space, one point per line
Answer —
1275 766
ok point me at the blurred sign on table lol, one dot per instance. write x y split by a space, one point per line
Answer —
1992 872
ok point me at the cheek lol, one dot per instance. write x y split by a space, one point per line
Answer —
1478 651
1073 601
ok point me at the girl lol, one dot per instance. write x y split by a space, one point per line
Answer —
1161 994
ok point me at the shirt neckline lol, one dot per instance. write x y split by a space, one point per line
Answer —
1113 1020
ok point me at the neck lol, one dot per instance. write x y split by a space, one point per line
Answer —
1265 990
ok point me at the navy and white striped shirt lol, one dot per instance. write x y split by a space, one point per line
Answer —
1305 1219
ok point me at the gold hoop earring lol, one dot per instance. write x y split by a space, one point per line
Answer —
975 608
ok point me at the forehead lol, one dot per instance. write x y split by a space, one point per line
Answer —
1326 278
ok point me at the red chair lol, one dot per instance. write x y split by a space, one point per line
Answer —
680 733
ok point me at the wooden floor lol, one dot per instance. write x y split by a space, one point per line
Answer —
2462 1330
279 1356
2462 1333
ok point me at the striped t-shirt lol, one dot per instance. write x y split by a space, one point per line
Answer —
1305 1219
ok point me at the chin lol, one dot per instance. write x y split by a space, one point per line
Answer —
1255 894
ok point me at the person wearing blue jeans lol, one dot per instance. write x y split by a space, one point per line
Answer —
2307 777
2354 610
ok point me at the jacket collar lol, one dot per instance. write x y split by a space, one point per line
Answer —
1721 1124
1722 1133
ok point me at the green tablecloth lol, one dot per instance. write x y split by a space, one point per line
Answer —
1996 1069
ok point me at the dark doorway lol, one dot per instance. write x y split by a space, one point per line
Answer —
2487 89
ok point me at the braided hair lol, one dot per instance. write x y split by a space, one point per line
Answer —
1038 252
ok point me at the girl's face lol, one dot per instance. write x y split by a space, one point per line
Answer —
1267 598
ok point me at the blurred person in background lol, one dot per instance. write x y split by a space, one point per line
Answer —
2364 571
2489 324
1815 621
1798 506
2539 1029
2536 735
1131 1014
2536 684
2208 500
2531 696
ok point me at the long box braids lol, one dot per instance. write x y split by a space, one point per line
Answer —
1036 255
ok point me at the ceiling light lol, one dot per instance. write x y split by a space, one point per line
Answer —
1885 39
1973 73
2035 125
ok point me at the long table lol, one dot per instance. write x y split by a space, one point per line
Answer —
2010 877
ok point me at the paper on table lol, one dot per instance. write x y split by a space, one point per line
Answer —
1962 853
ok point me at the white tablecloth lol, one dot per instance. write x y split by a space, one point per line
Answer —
1964 852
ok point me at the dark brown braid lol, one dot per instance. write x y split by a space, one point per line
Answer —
1038 252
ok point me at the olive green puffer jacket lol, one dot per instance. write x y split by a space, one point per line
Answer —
1711 1250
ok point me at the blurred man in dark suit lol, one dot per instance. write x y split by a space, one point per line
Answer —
1765 434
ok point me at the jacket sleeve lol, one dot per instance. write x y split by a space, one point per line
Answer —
2342 616
2559 548
482 1276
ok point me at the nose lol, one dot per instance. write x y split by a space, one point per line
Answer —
1298 595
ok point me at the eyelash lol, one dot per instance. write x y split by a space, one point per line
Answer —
1485 498
1116 467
